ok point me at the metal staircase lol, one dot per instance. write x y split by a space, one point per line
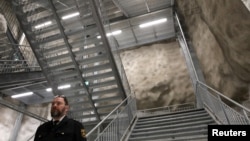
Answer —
178 126
71 54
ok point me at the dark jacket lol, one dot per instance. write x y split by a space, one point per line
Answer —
67 130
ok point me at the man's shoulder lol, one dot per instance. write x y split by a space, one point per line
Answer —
45 124
78 126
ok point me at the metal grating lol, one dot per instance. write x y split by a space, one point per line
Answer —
70 51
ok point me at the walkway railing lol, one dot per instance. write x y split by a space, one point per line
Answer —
13 66
122 117
215 102
226 110
166 109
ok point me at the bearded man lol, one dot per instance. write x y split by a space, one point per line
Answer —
60 128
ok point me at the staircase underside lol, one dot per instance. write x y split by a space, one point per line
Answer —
70 51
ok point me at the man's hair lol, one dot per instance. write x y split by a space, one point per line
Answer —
64 98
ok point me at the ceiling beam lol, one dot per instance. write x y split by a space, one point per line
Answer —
117 4
21 110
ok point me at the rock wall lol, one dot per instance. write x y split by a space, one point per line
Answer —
28 124
247 3
8 118
158 75
220 31
3 24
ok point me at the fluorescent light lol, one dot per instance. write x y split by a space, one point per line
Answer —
70 15
43 24
59 87
114 33
49 89
153 23
64 18
117 32
22 39
64 86
22 94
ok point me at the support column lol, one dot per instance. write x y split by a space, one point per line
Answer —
17 126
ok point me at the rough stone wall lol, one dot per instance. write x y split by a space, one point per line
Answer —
158 75
247 3
220 31
7 122
3 24
28 124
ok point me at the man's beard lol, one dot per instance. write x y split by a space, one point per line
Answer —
56 113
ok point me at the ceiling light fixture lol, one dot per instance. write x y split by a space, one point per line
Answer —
70 15
22 95
64 86
22 39
153 23
43 24
49 89
117 32
59 87
114 33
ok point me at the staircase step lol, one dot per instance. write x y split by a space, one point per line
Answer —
189 125
173 114
171 118
171 136
186 138
168 126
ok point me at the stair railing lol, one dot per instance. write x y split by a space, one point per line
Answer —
166 109
224 109
122 117
13 66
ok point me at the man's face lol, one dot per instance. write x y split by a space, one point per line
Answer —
58 108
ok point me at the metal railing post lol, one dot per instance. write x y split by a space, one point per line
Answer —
222 108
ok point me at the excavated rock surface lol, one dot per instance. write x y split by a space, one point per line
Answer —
158 75
220 33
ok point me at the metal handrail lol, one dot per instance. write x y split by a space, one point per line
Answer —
12 66
166 109
224 113
215 103
227 111
185 42
225 97
107 117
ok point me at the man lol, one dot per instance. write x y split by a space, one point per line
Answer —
60 128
